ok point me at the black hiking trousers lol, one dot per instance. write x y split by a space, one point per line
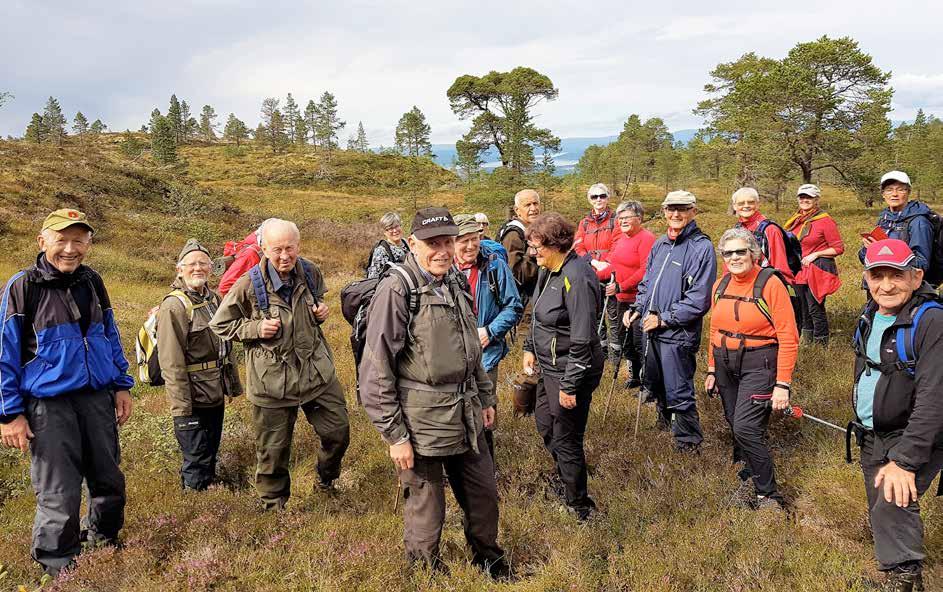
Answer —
563 431
75 437
814 322
897 532
745 378
199 436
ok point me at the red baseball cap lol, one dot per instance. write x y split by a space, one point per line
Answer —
889 252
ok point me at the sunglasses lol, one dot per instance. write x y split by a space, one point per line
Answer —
734 253
678 208
600 196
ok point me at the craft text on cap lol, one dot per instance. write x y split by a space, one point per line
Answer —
430 222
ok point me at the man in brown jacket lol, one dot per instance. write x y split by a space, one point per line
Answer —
196 365
511 235
276 310
424 388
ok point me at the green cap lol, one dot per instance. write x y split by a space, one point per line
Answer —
466 224
192 245
62 219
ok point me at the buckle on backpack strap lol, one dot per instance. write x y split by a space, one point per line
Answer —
203 366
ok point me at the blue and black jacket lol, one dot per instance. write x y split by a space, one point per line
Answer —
677 284
48 347
911 225
500 308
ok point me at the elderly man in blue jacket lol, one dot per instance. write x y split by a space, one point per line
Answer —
64 390
673 297
496 299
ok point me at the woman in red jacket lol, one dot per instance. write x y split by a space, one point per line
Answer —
595 235
626 261
821 243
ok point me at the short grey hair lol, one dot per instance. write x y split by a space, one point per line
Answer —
745 192
276 223
50 235
744 235
634 207
597 189
522 194
389 220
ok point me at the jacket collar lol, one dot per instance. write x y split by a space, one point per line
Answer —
44 272
905 316
686 232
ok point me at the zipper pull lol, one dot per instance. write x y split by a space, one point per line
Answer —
85 341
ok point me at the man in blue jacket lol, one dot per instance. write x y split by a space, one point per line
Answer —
905 220
673 297
64 390
496 299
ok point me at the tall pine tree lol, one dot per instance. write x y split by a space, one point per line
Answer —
80 124
174 119
36 130
412 134
207 125
190 124
359 142
97 127
290 114
54 121
327 122
311 120
235 130
163 142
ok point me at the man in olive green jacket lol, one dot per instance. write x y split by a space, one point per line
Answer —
424 388
196 365
288 361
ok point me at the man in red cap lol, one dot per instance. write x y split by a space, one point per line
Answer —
898 410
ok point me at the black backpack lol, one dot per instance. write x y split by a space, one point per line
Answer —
510 226
793 247
389 252
765 274
934 275
355 300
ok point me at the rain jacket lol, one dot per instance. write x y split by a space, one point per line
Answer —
912 226
196 365
499 315
292 367
563 334
49 354
596 235
677 284
424 382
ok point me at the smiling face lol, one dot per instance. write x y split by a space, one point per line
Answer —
194 270
434 254
738 257
745 206
896 195
679 216
280 244
393 234
892 288
65 249
599 201
540 251
467 247
807 203
629 223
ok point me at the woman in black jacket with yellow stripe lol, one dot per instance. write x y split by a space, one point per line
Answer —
564 348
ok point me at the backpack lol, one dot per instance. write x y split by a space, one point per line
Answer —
355 301
757 298
231 250
934 275
513 225
610 225
145 347
492 251
793 247
261 294
389 252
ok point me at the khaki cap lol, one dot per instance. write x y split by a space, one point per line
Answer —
62 219
466 224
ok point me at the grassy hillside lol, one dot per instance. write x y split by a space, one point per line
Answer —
665 521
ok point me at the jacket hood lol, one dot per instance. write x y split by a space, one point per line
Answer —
913 208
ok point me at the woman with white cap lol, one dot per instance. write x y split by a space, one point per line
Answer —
596 234
821 243
906 220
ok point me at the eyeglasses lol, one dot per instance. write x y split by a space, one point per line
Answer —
734 253
600 196
197 264
891 190
627 218
678 208
536 248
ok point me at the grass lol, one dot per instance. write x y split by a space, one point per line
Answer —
665 523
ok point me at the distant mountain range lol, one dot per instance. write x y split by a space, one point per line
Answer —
571 150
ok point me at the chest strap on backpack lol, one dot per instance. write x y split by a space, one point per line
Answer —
203 366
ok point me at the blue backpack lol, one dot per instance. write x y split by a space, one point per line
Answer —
906 355
261 294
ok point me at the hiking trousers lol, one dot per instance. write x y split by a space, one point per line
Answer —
745 378
199 436
814 321
471 478
563 431
489 432
630 337
75 438
897 532
669 377
274 428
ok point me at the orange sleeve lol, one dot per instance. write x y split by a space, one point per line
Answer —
712 336
784 321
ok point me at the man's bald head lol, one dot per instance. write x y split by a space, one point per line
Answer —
527 205
280 241
276 227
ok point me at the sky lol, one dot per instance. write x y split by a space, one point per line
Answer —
119 59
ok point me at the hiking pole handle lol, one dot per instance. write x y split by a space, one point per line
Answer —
798 413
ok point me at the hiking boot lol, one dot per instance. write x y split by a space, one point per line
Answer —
743 496
583 513
498 569
688 448
325 486
765 502
662 424
904 580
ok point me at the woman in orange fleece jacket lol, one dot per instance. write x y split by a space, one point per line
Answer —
754 345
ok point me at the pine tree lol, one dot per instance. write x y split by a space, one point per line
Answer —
36 130
97 127
235 130
175 119
278 140
290 115
412 134
80 124
207 125
130 146
327 122
163 141
190 124
54 121
311 120
155 115
301 131
359 142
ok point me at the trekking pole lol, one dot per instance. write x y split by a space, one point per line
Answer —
798 413
396 499
615 375
638 408
602 317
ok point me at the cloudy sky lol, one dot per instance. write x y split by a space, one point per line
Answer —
118 59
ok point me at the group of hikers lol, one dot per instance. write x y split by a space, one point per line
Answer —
432 323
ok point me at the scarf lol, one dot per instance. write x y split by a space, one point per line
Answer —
800 221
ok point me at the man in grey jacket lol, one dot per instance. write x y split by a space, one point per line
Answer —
424 388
